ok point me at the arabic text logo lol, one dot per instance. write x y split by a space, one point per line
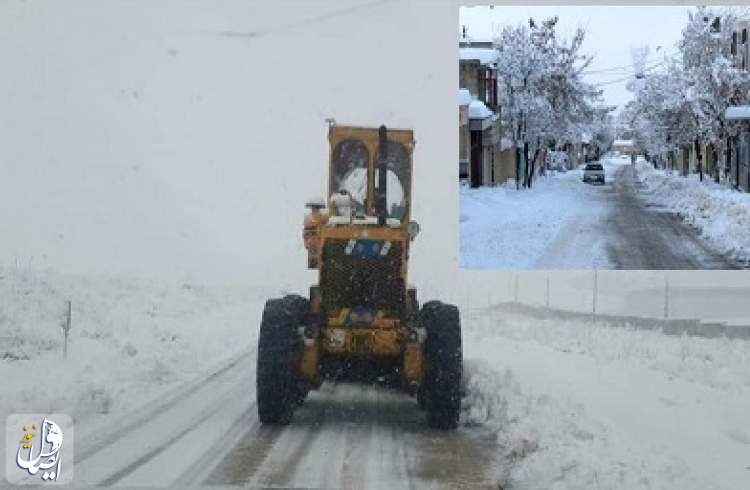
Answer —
34 449
48 456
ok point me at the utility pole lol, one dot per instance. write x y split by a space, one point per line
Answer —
666 297
596 289
547 296
66 330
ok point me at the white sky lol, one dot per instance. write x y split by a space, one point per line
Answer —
182 137
611 32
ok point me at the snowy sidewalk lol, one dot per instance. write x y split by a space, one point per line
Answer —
501 227
721 214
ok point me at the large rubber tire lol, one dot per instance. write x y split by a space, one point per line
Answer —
279 352
444 364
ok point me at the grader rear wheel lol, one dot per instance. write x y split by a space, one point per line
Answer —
444 362
279 351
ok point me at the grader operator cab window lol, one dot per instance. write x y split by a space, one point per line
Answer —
351 168
398 177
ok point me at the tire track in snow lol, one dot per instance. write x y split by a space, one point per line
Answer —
135 449
348 436
343 436
243 460
148 412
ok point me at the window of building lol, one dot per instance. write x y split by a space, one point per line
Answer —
716 24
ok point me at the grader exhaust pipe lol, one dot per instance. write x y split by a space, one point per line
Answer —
381 195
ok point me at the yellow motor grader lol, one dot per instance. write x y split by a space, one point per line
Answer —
362 322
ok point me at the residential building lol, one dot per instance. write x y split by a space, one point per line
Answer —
739 177
464 98
485 158
625 147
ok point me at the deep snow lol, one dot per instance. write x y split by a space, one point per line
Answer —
130 339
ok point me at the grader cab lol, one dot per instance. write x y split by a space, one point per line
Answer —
362 322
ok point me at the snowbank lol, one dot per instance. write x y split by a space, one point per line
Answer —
548 442
580 405
721 214
718 363
130 339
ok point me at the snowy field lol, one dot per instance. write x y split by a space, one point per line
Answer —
721 214
130 339
501 227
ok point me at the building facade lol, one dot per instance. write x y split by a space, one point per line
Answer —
484 156
739 177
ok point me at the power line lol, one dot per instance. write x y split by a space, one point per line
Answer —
632 66
302 23
611 82
630 75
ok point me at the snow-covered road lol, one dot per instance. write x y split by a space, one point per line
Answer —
646 236
550 404
344 436
348 436
562 223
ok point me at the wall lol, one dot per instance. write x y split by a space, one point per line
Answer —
506 165
463 138
467 76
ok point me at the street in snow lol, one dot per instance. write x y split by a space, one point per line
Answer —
627 223
660 120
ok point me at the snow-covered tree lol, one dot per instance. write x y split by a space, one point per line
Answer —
685 102
601 130
713 82
660 114
546 103
521 67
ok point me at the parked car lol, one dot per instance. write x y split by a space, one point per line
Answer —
593 172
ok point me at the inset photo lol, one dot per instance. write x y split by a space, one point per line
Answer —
604 137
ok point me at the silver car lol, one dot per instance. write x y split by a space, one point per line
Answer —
594 172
